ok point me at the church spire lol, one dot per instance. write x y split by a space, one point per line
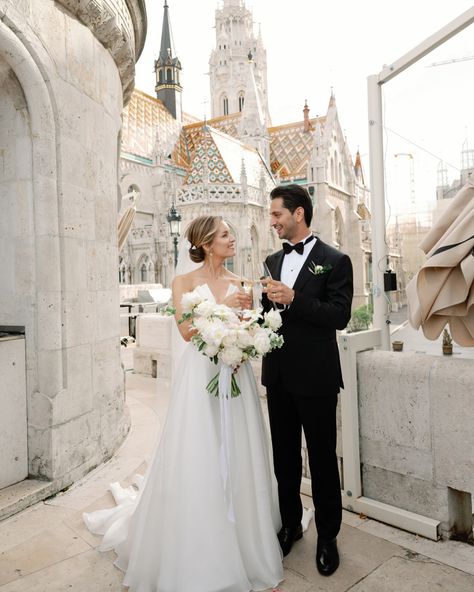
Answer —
252 125
167 69
166 44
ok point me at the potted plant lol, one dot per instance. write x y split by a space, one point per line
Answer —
447 343
397 345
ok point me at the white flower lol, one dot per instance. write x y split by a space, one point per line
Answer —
225 313
244 339
211 350
214 332
273 319
190 300
202 324
205 308
231 356
230 338
261 341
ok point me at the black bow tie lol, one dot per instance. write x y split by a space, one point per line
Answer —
299 247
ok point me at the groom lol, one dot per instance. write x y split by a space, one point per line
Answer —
311 283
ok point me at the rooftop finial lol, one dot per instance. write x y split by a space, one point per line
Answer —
307 123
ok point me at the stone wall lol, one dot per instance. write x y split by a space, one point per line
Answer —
416 416
61 97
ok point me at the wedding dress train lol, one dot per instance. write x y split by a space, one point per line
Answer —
188 529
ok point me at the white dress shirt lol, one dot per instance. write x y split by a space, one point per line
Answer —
293 262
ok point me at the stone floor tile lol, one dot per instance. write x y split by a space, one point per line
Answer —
29 523
46 548
76 523
88 572
415 575
359 552
452 553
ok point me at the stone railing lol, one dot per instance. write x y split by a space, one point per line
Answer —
140 234
120 25
340 194
205 193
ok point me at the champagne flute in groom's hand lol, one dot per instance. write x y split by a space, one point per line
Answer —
267 275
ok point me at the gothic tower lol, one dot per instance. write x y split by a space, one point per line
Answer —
228 64
167 69
252 128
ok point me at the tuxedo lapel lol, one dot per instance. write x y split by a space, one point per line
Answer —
277 262
317 256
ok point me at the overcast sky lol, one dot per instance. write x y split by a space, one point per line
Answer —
313 46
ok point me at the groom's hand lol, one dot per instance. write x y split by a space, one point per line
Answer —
278 292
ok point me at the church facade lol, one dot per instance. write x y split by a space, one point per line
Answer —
229 164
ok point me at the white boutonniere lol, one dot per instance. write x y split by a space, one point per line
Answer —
319 269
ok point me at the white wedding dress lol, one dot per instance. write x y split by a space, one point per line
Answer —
186 531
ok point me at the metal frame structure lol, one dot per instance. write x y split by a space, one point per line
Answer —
376 159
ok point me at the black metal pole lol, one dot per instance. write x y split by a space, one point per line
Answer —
175 241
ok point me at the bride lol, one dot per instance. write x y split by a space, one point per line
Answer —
181 534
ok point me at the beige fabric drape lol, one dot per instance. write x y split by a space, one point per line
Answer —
124 225
443 289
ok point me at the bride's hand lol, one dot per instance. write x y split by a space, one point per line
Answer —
238 300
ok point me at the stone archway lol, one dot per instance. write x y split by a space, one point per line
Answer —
34 303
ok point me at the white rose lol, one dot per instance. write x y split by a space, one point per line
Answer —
244 339
261 342
205 308
273 319
190 300
231 356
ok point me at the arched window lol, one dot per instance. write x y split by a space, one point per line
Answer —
150 274
143 273
338 227
160 76
121 271
336 169
169 75
226 105
333 173
241 100
340 174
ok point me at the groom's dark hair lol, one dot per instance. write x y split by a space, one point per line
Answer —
294 196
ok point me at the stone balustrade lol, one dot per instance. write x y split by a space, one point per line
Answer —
229 193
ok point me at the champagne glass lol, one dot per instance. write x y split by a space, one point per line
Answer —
247 287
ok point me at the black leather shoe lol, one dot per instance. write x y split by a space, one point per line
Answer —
327 556
287 536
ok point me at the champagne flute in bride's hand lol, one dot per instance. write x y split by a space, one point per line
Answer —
247 288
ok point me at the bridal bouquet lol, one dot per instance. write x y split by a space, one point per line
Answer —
221 334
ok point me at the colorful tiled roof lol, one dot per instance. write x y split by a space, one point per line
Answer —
207 164
291 148
146 121
218 158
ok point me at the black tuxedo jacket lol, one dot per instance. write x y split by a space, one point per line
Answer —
308 363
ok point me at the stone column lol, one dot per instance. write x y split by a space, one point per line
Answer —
70 65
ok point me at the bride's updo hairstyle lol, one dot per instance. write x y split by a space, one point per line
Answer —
199 233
